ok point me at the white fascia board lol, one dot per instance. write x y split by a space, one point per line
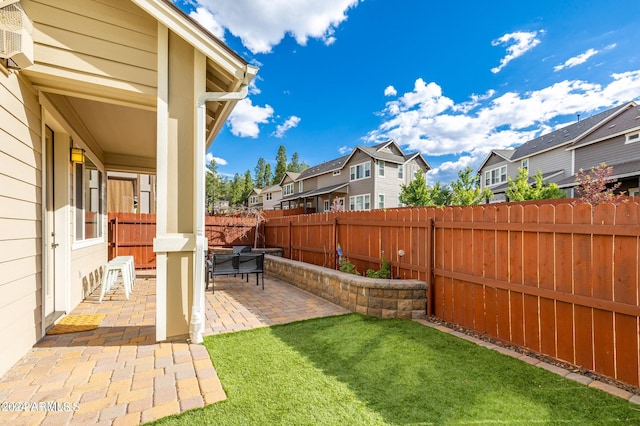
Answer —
165 14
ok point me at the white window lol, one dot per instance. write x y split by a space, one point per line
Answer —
253 199
300 186
495 176
326 206
381 201
360 171
524 164
400 171
633 137
269 196
360 202
287 189
336 172
380 168
88 201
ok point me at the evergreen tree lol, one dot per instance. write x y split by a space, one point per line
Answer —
214 187
440 195
281 165
235 190
466 190
247 186
295 165
268 176
259 173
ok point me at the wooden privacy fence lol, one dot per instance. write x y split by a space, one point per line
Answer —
560 279
133 234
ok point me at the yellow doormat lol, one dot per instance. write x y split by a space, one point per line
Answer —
76 324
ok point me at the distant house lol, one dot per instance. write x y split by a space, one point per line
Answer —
617 144
554 154
368 178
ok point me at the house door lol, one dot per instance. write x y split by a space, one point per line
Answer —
50 237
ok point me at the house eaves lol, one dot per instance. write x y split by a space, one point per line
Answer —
626 121
291 175
420 157
619 171
503 153
327 166
565 135
316 192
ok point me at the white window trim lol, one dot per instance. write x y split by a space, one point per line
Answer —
632 138
285 189
381 167
366 167
383 201
488 176
89 242
401 171
354 203
522 164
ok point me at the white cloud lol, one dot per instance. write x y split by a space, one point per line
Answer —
522 42
262 24
207 20
245 117
289 123
390 91
219 161
576 60
345 149
581 58
428 121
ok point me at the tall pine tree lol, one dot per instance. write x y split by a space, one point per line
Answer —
281 165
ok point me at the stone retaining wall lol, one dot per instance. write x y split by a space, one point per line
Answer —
382 298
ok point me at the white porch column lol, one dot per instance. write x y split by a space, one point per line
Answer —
181 77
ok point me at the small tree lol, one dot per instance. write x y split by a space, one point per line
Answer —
466 189
416 192
597 186
440 195
520 190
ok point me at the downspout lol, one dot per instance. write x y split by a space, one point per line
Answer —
196 326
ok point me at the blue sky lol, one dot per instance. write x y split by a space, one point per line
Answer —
452 80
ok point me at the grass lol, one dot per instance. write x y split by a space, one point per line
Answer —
359 370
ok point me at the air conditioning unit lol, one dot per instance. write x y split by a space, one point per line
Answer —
16 29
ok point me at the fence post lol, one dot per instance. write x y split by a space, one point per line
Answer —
335 243
430 256
115 238
290 237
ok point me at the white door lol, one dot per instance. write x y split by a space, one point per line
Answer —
50 263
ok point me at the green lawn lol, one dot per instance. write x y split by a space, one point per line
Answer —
357 370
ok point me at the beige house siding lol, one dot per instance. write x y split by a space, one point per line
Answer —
68 34
20 219
86 264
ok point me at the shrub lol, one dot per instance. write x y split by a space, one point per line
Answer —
383 272
348 267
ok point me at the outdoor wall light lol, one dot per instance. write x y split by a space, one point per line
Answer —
77 155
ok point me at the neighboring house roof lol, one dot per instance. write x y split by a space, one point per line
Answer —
271 188
564 135
327 166
291 175
625 122
316 192
619 171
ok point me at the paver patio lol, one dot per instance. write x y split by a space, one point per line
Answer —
118 373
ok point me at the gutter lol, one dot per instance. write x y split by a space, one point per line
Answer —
196 326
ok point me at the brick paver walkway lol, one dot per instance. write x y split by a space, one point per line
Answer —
118 374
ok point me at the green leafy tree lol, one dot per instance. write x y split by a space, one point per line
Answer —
281 165
235 190
416 192
597 186
259 173
466 189
214 186
520 189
